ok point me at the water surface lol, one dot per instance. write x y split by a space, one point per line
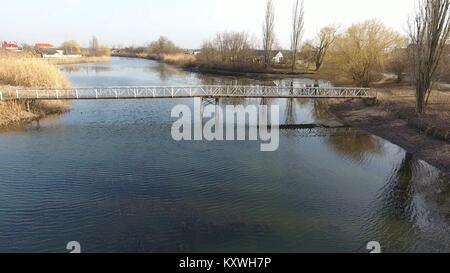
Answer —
109 175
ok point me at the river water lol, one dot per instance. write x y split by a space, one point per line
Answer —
108 175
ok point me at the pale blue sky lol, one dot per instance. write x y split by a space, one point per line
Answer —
186 22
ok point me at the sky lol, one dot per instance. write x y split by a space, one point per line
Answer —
186 22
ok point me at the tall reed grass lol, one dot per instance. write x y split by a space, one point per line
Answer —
20 70
181 59
29 71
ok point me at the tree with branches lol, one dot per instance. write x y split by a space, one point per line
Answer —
71 47
269 33
429 32
325 39
297 30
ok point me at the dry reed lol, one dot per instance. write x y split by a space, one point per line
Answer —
29 71
179 59
81 60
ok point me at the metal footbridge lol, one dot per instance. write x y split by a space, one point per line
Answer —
205 91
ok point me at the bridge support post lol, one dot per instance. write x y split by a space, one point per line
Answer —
208 101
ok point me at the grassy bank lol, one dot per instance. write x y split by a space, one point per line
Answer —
28 71
177 59
189 63
62 61
15 112
393 118
257 74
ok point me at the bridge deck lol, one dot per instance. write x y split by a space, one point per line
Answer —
161 92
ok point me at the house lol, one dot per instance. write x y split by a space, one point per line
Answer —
10 46
43 46
278 58
51 53
193 52
48 51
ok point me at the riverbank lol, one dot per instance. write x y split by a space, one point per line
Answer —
29 72
393 118
187 63
15 112
81 60
273 74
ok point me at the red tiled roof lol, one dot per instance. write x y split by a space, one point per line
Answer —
9 45
44 45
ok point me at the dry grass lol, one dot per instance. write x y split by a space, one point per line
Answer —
398 103
29 71
181 59
61 61
439 102
401 100
13 112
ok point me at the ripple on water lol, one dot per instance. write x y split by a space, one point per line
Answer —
109 175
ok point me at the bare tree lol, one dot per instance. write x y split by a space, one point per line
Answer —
94 44
428 31
325 39
229 50
268 33
162 46
297 30
398 63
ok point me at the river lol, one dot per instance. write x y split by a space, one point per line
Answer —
108 175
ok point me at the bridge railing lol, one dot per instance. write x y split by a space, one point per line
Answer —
186 92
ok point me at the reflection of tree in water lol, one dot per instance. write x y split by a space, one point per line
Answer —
290 112
70 68
101 69
96 69
233 101
165 72
359 147
320 110
412 210
231 80
398 191
265 101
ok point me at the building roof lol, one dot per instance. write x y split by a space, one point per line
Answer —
6 45
44 46
279 54
49 51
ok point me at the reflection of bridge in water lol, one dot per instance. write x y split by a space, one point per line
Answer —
206 92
